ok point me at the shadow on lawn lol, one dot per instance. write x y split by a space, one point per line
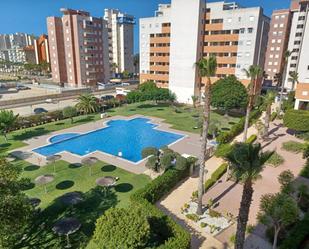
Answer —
95 203
31 133
65 185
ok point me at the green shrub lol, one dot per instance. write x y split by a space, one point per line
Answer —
233 239
305 170
216 175
297 235
160 186
306 151
181 163
166 160
303 135
275 160
203 224
152 163
250 228
129 228
251 139
223 150
273 116
214 214
193 217
297 120
293 146
149 151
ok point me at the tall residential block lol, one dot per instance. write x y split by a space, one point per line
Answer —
183 32
290 32
41 49
299 60
121 40
78 45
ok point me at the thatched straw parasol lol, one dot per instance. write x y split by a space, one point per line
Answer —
90 161
52 159
43 180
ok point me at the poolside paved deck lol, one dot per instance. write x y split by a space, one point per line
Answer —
190 144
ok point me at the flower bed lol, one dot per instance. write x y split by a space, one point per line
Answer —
210 221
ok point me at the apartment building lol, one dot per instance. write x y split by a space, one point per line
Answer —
78 45
299 60
41 49
121 40
182 32
278 38
18 55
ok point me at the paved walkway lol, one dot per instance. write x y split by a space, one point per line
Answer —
228 194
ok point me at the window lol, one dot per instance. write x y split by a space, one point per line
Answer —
271 56
281 25
270 63
298 34
282 16
276 63
276 25
273 40
294 58
242 30
250 30
276 56
301 18
247 54
248 43
239 19
251 18
278 48
229 20
297 42
300 26
279 40
276 17
275 70
280 33
272 49
275 33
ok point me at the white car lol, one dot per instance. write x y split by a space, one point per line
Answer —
125 84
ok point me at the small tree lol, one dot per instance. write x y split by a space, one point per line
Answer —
181 163
277 211
268 101
149 151
7 120
166 160
228 93
15 208
69 112
286 179
122 228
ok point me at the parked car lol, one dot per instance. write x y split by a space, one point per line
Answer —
107 97
125 84
20 87
39 110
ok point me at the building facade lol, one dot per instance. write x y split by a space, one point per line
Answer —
121 40
78 45
170 44
41 49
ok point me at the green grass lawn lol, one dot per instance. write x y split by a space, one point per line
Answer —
182 118
69 178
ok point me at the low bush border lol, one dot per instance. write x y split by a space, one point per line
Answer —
151 193
215 176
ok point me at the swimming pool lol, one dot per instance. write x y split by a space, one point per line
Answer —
129 137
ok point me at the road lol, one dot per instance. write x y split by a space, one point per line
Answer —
27 109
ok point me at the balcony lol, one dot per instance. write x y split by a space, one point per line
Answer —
159 49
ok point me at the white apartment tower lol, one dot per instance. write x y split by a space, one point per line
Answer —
121 40
184 31
299 59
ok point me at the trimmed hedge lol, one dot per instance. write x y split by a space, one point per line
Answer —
297 120
236 129
297 235
215 176
305 170
145 198
160 186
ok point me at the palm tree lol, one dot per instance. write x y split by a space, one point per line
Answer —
7 120
247 161
254 72
207 68
268 101
287 55
87 103
293 78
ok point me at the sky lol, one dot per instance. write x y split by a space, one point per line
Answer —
29 16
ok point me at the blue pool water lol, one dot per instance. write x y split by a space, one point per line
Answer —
62 137
129 137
